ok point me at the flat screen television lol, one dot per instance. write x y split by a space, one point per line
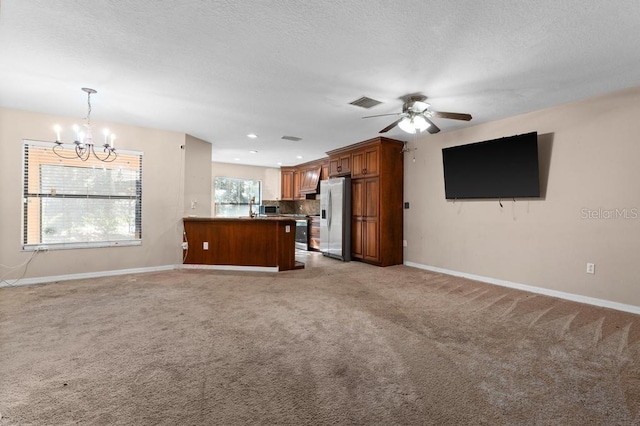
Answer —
499 168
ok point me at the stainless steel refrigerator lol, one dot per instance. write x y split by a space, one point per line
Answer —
335 218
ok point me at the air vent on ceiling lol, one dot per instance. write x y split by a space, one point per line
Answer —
292 138
365 102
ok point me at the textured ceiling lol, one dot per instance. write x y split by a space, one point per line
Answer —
219 70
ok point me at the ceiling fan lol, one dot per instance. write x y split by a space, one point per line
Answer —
416 116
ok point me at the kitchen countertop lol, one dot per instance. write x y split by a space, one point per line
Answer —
237 219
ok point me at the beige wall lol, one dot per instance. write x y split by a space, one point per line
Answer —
162 204
590 156
269 176
197 177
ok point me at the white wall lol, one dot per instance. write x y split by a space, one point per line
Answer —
589 160
198 182
162 202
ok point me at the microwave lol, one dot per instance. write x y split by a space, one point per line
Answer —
269 209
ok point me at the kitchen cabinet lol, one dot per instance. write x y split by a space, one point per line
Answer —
365 215
324 175
340 165
286 178
364 163
297 183
376 200
241 242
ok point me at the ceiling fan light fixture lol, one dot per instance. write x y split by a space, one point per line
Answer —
415 124
419 106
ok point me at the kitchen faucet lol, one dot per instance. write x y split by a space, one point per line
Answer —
252 201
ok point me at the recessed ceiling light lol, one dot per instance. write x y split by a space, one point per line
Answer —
252 135
237 159
299 157
279 163
253 151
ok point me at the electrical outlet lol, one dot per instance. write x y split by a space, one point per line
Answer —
194 203
404 243
185 246
205 245
591 268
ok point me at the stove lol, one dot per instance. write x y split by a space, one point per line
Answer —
302 234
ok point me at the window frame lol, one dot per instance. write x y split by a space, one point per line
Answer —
26 195
216 204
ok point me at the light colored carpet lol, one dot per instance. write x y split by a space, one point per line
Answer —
336 343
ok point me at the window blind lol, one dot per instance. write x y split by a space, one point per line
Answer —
70 203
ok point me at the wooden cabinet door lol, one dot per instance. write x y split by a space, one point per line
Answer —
372 161
357 238
324 174
357 164
371 234
371 195
357 218
297 181
286 177
371 239
345 164
357 198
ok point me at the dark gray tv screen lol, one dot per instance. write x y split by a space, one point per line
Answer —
499 168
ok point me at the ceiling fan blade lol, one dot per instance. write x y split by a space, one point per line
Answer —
383 115
452 115
391 126
432 127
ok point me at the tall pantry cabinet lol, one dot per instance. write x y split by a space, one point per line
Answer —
376 170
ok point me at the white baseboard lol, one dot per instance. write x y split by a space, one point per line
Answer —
231 268
49 279
539 290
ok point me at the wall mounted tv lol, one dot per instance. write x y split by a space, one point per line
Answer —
499 168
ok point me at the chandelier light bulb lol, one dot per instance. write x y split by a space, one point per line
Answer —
57 128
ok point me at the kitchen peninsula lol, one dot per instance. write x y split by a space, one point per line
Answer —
262 244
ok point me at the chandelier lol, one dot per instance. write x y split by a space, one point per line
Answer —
83 144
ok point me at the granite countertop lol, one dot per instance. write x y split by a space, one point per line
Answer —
239 219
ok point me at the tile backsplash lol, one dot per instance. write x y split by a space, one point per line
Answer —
308 207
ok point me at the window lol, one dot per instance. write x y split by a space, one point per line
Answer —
69 203
232 196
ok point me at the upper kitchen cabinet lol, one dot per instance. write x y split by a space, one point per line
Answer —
339 163
325 170
365 162
303 179
297 183
286 178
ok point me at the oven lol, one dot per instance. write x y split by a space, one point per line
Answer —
302 234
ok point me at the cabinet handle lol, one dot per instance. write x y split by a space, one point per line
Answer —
339 168
364 171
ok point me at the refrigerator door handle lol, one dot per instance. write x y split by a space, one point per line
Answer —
329 208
